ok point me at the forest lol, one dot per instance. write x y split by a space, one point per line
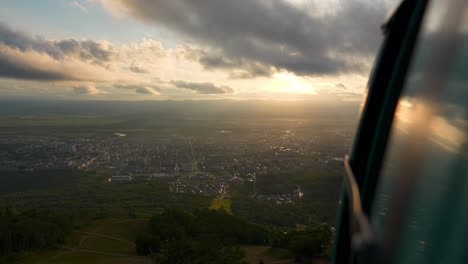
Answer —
172 236
33 229
38 217
214 236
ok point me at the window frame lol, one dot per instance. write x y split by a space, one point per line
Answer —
384 89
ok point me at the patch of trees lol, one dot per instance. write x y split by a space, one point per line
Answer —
213 236
268 213
32 230
313 241
206 236
20 181
92 191
319 203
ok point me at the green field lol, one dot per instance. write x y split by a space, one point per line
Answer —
270 255
221 203
111 241
102 242
253 254
82 257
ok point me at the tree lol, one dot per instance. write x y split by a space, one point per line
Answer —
312 242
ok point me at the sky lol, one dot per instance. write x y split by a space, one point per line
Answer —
188 50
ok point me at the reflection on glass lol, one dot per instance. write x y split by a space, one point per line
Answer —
424 178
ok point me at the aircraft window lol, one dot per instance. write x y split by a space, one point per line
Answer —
419 214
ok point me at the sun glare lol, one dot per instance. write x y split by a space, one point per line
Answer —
290 83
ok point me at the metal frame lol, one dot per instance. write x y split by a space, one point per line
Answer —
362 235
355 241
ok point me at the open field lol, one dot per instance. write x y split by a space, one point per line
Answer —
270 255
253 254
103 242
82 257
111 241
219 203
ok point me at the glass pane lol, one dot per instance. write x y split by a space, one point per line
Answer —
424 177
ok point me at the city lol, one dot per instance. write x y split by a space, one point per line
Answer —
206 164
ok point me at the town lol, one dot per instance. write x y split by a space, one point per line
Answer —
207 164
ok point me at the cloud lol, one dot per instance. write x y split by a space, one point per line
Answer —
140 89
273 33
203 88
23 42
89 89
240 68
341 86
74 64
33 65
35 58
86 50
77 4
137 69
80 62
16 68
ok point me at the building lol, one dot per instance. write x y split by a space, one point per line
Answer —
298 194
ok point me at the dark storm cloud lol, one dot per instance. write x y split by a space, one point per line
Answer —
245 68
12 68
24 42
273 32
86 50
203 88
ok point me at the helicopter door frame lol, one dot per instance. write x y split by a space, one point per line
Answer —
354 242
